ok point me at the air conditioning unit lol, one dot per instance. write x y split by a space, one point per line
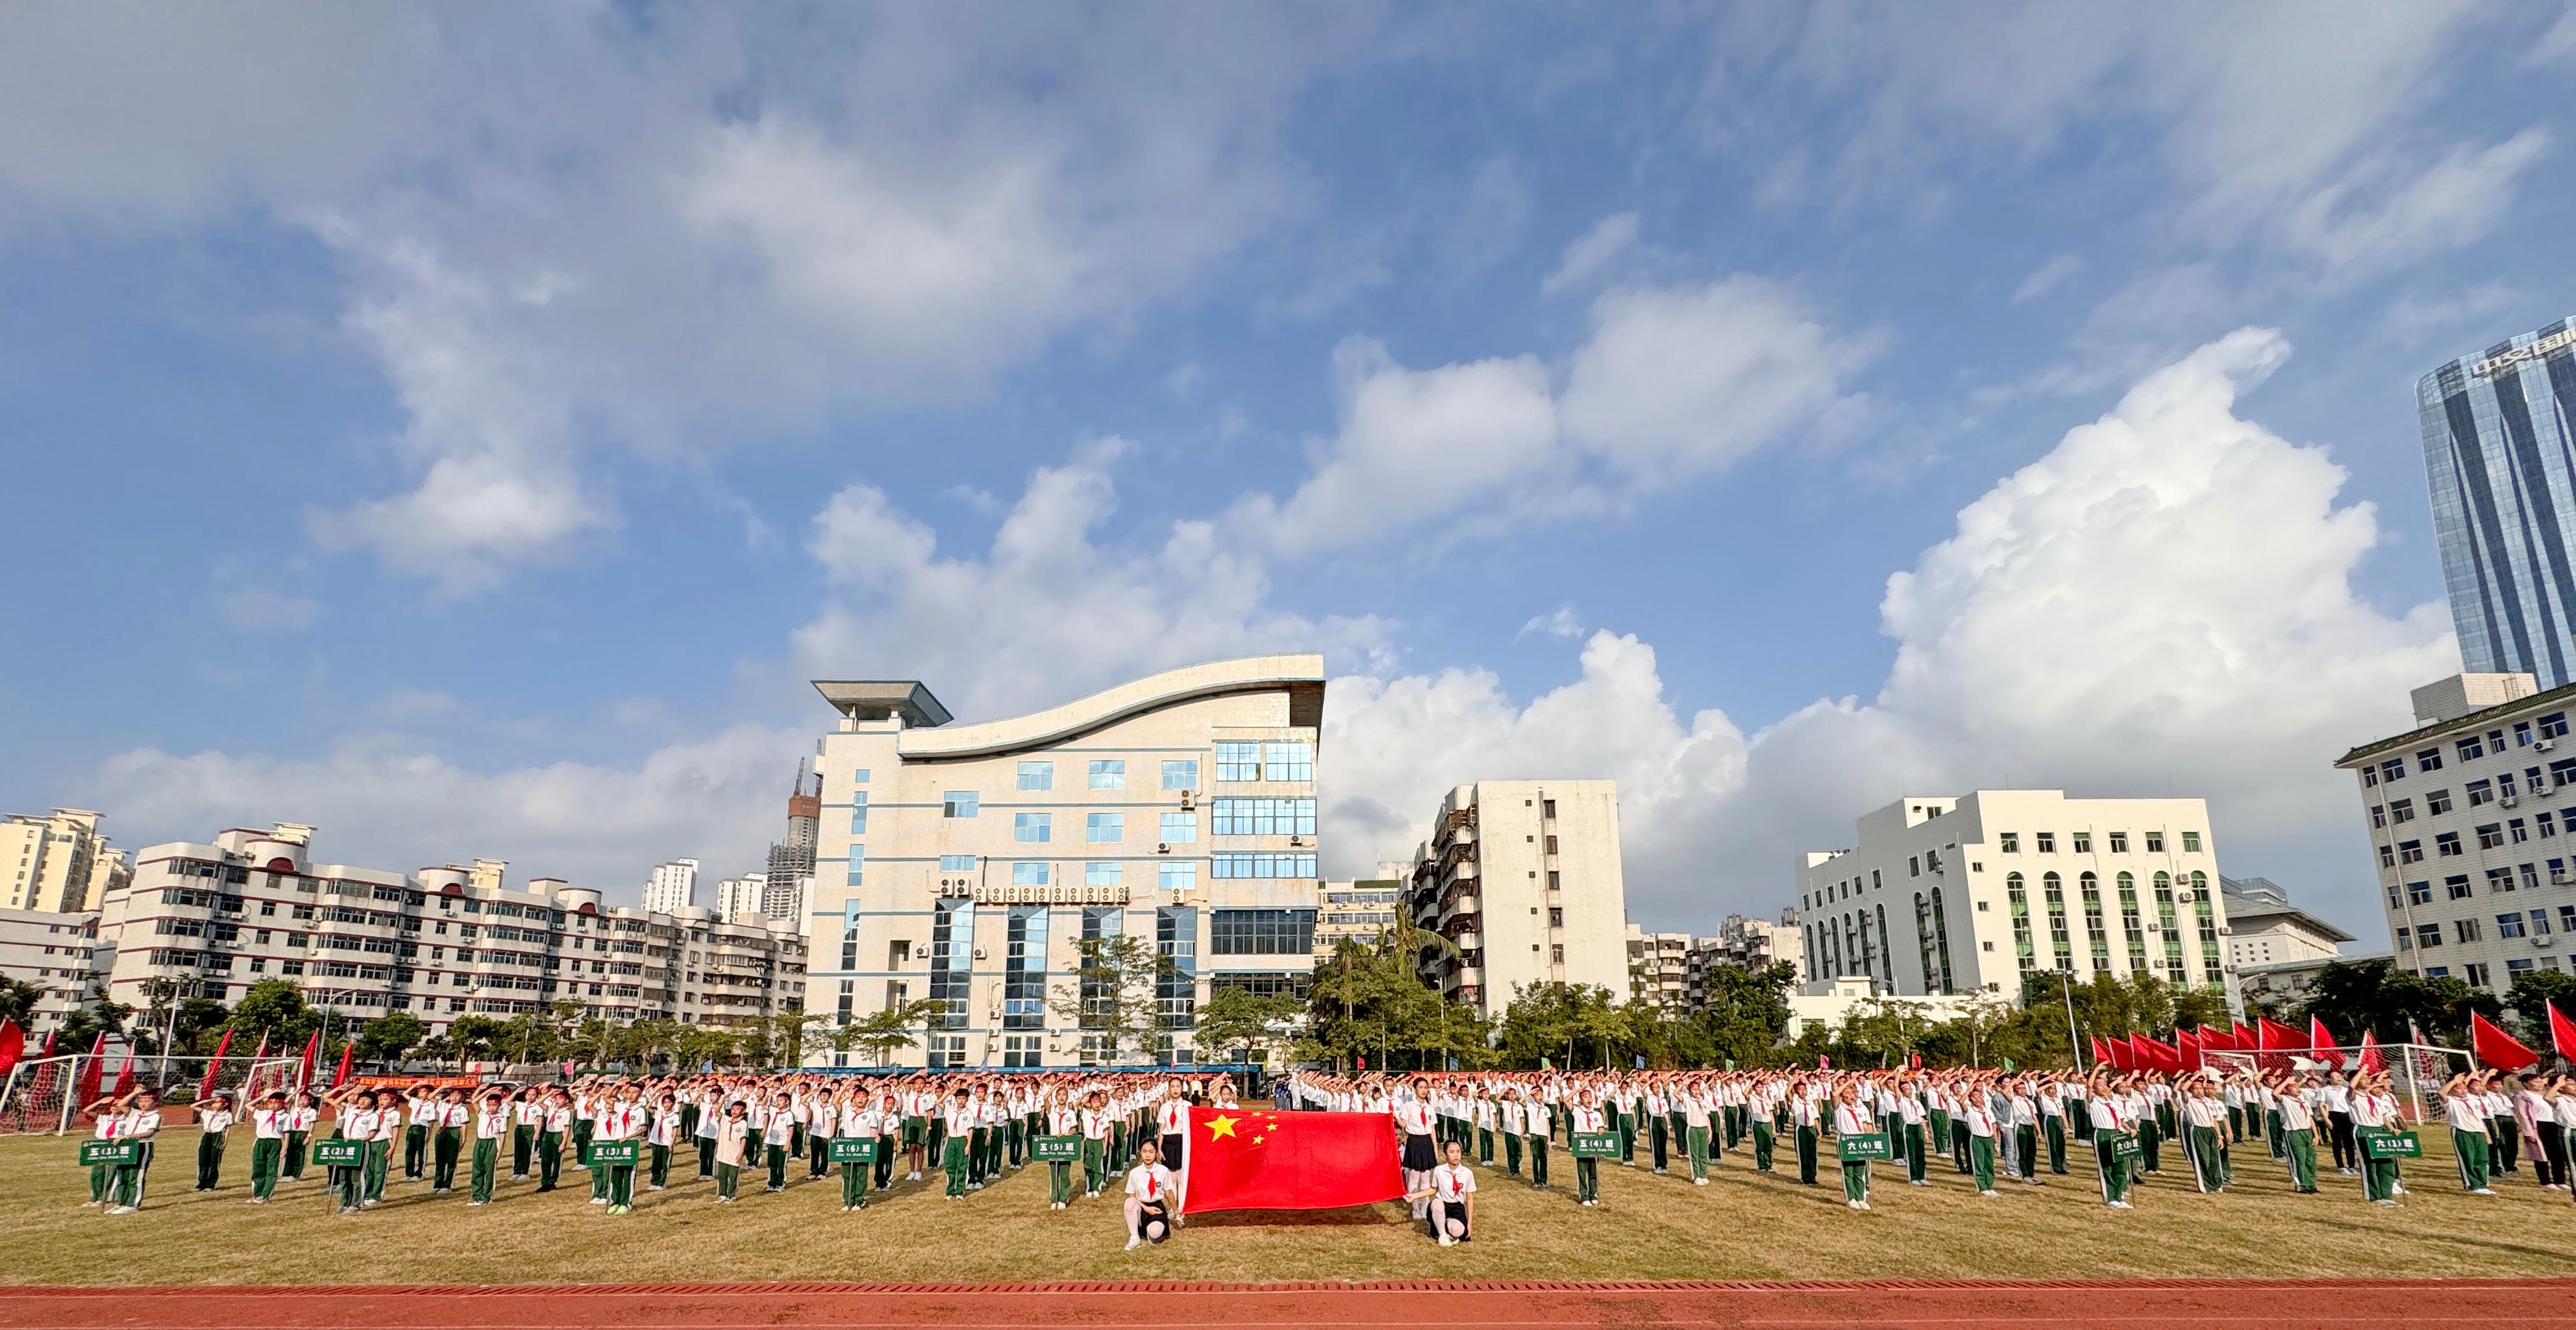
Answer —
2511 801
2541 941
1296 840
979 953
2545 745
1161 847
1189 800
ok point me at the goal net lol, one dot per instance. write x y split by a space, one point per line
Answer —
2416 1072
43 1094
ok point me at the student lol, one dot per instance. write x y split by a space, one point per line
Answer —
1802 1107
139 1122
1586 1116
1452 1197
1513 1120
1095 1142
620 1121
212 1122
2103 1112
2464 1108
957 1126
2298 1136
1062 1119
380 1151
423 1110
448 1121
2204 1115
554 1123
300 1122
1692 1103
357 1119
1413 1117
105 1113
495 1120
1764 1110
1150 1197
1851 1119
670 1123
777 1138
708 1120
527 1115
857 1122
1979 1120
1535 1114
267 1145
733 1133
2374 1111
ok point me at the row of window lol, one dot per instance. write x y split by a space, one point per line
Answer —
2542 732
2499 880
2500 790
2081 842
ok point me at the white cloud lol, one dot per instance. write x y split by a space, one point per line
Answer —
1562 622
388 802
2448 203
1614 251
2559 43
1490 219
1184 379
2046 277
261 609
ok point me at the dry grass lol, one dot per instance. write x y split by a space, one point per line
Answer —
1742 1225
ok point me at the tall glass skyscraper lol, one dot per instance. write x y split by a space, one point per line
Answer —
2501 461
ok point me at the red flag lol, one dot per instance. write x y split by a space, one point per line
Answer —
2241 1039
2187 1048
124 1077
206 1087
341 1077
1824 1063
2372 1060
2562 1031
2123 1058
86 1088
13 1044
2495 1048
2158 1055
304 1073
44 1071
2278 1038
2321 1043
1260 1160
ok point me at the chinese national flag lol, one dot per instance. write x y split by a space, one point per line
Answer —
2321 1044
1247 1159
2372 1060
2562 1031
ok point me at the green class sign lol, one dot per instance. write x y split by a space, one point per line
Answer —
94 1153
1596 1144
611 1152
1055 1149
854 1149
2125 1146
1862 1146
2392 1145
338 1153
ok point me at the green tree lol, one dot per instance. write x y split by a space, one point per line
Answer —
388 1037
478 1038
700 1046
1236 1020
275 1008
18 1000
2531 989
1114 994
880 1033
1745 1011
2376 996
82 1027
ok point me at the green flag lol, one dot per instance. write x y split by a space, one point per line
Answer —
2008 1065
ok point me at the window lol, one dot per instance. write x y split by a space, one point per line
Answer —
1109 774
2155 842
1180 877
2436 803
1261 932
1180 828
1290 865
2457 885
2516 832
2379 815
2408 851
2420 893
2119 842
2048 842
2191 842
2465 930
1556 954
1914 865
2429 760
1238 761
1105 828
2554 725
1104 873
1033 828
859 814
1037 775
2369 777
1261 817
958 803
2469 748
1176 941
2508 924
2393 770
1028 875
2490 835
858 864
2480 791
1289 761
2567 918
2499 879
2476 974
957 863
2545 825
2427 936
1181 773
2011 841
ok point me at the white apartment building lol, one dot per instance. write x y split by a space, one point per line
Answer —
1523 877
2474 824
1362 910
1745 944
1659 968
966 864
743 899
673 887
2002 884
57 862
213 919
52 952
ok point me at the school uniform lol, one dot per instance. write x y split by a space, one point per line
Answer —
1581 1119
820 1121
958 1125
415 1137
267 1149
1451 1185
299 1130
2375 1113
554 1122
708 1120
493 1123
731 1136
621 1121
1909 1120
1763 1110
1694 1107
1061 1121
2105 1118
446 1143
2205 1118
2052 1121
525 1117
1535 1133
380 1154
857 1124
2337 1102
777 1137
2299 1142
211 1126
1853 1120
2466 1115
2505 1141
360 1125
669 1125
125 1187
1095 1147
1149 1198
1804 1111
1979 1122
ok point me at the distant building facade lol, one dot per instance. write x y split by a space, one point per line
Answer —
55 953
672 887
2502 470
1524 880
57 862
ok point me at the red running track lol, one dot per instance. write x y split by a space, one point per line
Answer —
2272 1304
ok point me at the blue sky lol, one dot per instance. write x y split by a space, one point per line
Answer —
466 429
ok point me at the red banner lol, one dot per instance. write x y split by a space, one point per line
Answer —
1246 1159
2321 1043
2158 1055
2372 1060
2495 1048
215 1064
13 1044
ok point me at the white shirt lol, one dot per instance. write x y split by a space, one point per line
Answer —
1452 1182
214 1122
1150 1183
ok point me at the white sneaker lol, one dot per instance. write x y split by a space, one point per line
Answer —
1988 1192
1444 1240
122 1210
1699 1182
1851 1205
2483 1191
1134 1243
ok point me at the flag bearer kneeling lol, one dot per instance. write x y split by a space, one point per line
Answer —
1452 1195
1149 1198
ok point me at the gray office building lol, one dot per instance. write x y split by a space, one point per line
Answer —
2501 462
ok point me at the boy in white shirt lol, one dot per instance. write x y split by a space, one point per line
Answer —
1150 1198
213 1121
268 1145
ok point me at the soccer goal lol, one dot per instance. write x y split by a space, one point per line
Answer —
2416 1072
43 1094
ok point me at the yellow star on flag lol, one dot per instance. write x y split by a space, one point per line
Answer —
1221 1127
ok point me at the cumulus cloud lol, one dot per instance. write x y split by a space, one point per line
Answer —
389 802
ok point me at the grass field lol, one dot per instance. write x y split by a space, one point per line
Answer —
1743 1225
